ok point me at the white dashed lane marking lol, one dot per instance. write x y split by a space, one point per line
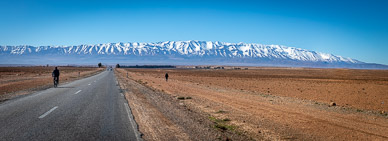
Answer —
77 91
48 112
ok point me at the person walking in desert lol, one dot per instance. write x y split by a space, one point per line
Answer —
166 77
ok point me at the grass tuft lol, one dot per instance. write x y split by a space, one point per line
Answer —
222 124
221 111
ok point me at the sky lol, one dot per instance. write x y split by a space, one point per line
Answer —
351 28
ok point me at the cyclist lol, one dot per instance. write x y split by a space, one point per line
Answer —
56 76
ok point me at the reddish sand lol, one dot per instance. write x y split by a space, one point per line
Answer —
362 89
22 80
282 103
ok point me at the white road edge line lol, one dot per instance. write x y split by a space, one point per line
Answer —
48 112
77 91
133 123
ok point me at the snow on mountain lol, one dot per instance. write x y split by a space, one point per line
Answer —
190 49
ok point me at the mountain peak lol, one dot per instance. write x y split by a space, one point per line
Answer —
191 49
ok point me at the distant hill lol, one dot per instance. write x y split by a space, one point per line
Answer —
180 53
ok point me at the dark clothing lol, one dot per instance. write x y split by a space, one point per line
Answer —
166 76
56 73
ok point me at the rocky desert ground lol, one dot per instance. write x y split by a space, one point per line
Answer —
258 103
15 81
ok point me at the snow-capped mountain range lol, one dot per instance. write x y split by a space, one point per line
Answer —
187 50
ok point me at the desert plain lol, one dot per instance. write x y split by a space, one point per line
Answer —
258 103
16 81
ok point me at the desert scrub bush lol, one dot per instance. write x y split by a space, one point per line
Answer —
181 98
223 126
188 97
220 111
222 123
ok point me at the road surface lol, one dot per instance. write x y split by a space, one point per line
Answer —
88 109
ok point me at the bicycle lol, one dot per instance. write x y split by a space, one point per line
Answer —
55 82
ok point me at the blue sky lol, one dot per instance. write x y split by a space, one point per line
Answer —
350 28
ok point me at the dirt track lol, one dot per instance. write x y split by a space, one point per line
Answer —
282 104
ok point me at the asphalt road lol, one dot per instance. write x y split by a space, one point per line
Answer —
88 109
